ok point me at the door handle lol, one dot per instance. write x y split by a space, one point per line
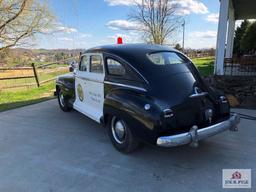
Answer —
198 94
83 78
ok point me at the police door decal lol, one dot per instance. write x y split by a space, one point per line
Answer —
80 92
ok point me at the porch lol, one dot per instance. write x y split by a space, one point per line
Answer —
226 63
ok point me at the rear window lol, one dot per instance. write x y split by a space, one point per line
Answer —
166 58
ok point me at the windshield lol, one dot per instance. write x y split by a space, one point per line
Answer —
167 58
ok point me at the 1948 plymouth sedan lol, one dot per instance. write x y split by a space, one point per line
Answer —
145 93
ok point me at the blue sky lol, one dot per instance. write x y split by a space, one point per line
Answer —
87 23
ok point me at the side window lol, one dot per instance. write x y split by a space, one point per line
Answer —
115 68
83 64
96 64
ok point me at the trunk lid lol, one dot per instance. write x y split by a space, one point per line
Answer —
179 88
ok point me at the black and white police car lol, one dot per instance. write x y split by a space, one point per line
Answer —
145 93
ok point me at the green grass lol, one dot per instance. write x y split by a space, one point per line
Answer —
46 76
14 99
205 65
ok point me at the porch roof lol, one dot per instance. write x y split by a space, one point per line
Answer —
244 9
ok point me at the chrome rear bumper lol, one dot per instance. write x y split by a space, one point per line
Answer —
194 135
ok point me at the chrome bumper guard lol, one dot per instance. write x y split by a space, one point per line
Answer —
194 135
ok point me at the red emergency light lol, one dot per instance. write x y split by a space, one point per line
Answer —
119 40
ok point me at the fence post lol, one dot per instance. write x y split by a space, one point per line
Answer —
35 74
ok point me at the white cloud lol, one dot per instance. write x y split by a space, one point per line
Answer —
125 37
184 7
70 40
201 39
66 29
122 2
203 34
65 39
84 35
60 28
214 17
239 22
131 37
122 25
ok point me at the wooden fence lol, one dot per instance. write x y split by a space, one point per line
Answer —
193 55
34 76
17 73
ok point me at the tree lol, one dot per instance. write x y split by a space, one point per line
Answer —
248 41
178 47
158 19
58 56
240 31
21 20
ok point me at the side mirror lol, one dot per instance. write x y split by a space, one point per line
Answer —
71 69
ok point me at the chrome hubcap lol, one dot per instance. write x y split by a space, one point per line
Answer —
61 98
118 130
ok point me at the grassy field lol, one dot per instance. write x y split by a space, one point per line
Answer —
17 98
14 99
205 65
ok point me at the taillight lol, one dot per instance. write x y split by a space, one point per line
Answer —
223 99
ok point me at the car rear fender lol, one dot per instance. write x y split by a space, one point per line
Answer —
129 105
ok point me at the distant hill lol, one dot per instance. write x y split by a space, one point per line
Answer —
24 57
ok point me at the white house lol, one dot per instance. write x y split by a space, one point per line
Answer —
230 11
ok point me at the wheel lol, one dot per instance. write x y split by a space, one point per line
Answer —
63 102
120 135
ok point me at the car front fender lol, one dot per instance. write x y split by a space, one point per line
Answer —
66 85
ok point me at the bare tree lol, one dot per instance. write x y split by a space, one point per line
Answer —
157 19
20 20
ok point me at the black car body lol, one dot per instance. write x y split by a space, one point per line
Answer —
161 97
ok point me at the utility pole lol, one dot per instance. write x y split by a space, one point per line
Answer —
183 41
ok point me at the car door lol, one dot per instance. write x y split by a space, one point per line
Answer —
80 83
90 86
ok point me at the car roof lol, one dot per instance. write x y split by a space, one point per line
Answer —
135 55
129 48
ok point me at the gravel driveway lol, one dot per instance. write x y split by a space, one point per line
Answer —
45 149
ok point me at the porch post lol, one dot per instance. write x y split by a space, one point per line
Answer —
231 33
221 38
